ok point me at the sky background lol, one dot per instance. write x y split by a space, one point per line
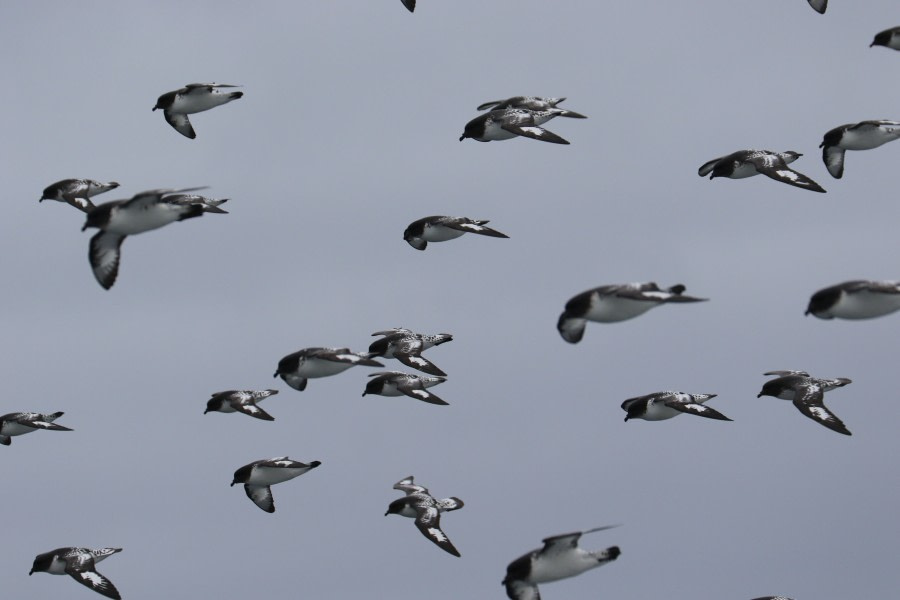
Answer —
348 132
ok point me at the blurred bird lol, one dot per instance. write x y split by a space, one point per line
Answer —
889 38
20 423
441 229
864 135
76 192
533 103
855 300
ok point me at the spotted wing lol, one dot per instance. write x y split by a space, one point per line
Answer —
249 407
428 520
696 408
415 389
208 87
808 400
707 167
38 424
774 167
833 156
471 226
519 590
104 253
261 496
349 357
81 568
83 204
407 486
180 122
534 132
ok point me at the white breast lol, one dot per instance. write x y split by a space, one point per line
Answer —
609 309
865 305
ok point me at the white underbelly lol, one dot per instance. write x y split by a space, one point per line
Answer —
610 310
866 305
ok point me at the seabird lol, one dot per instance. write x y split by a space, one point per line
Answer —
407 347
855 300
746 163
441 229
397 383
807 394
531 103
79 563
426 510
864 135
240 401
76 192
665 405
20 423
193 98
507 123
295 369
260 474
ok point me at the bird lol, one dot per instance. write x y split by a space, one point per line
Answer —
19 423
210 205
144 211
807 394
441 229
240 401
296 368
259 475
409 4
665 405
407 346
746 163
426 510
531 103
856 299
397 383
819 5
561 557
77 192
773 598
889 38
79 563
612 303
864 135
193 98
507 123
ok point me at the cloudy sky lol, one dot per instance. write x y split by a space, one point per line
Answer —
348 132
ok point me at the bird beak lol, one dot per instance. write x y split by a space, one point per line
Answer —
759 395
31 572
387 512
232 483
84 227
275 374
626 418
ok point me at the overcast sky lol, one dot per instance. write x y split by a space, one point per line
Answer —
346 133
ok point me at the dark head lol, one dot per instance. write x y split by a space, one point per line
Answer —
518 569
215 403
770 388
823 300
374 386
50 192
396 506
242 474
475 128
165 101
833 137
379 347
882 39
289 363
97 216
42 562
723 168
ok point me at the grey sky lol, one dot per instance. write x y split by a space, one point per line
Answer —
348 132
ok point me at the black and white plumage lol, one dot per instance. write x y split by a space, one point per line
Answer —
889 38
79 564
210 205
856 299
746 163
561 557
77 192
145 211
612 303
441 229
665 405
773 598
409 4
864 135
193 98
407 346
296 368
531 103
240 401
397 383
507 123
819 5
20 423
808 395
259 475
426 510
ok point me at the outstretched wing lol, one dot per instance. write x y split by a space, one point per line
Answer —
695 408
428 520
180 122
104 252
261 496
407 486
808 400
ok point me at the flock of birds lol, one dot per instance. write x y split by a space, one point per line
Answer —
519 116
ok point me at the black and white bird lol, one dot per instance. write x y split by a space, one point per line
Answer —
773 598
612 303
193 98
864 135
561 557
807 394
507 123
118 219
20 423
747 163
77 192
210 205
259 475
418 504
889 38
819 5
409 4
297 368
240 401
397 383
531 103
441 229
855 300
407 346
79 564
665 405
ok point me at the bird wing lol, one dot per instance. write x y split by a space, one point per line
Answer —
428 520
81 568
470 226
249 407
407 486
180 122
103 253
414 388
696 408
534 132
773 166
809 400
707 167
833 156
261 496
517 589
